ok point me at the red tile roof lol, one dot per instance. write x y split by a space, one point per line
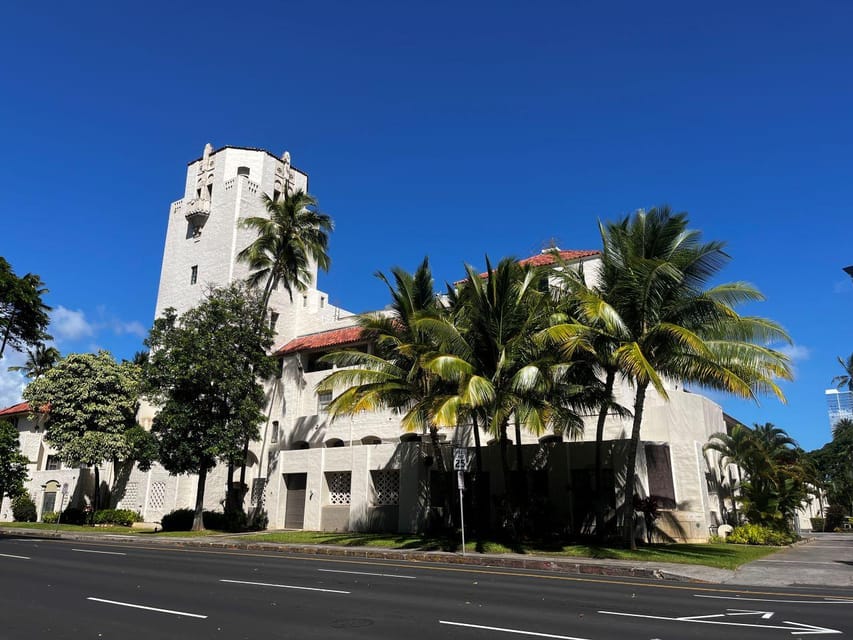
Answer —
15 409
547 257
333 338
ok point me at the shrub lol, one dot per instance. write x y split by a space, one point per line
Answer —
50 517
182 520
818 524
834 517
24 509
759 534
73 515
121 517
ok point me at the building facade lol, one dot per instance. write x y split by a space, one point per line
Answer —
364 472
839 405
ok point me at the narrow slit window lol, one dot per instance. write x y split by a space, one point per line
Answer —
194 274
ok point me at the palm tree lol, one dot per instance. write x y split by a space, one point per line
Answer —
845 380
40 360
293 238
664 324
502 374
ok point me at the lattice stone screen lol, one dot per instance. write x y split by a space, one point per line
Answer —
130 499
339 483
157 495
258 487
386 487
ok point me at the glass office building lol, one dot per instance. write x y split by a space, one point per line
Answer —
840 405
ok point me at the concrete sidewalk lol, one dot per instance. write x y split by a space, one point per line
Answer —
824 561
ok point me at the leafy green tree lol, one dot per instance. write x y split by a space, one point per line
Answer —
40 359
23 315
845 380
91 402
663 323
202 372
834 465
13 464
293 236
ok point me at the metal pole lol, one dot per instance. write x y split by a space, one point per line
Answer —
460 479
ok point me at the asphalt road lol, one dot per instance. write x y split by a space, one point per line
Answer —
66 589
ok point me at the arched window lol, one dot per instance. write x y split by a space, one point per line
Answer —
334 442
300 444
243 171
410 437
371 440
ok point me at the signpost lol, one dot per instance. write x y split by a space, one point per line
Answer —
460 462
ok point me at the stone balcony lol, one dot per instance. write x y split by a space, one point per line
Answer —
196 211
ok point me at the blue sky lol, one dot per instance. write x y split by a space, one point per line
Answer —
444 129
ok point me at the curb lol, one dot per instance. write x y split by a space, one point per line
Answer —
567 567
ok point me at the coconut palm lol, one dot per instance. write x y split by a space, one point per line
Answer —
293 237
40 360
503 377
664 324
845 380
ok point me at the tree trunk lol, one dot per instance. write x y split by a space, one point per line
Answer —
631 472
198 519
6 332
598 495
96 499
230 494
478 453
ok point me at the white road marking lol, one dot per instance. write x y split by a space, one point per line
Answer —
516 631
9 555
110 553
139 606
797 628
825 601
282 586
364 573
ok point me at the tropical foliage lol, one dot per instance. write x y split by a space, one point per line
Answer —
775 475
202 372
292 238
13 464
833 464
23 314
40 359
91 403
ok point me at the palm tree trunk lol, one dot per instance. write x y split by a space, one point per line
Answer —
198 519
7 332
478 453
598 497
631 472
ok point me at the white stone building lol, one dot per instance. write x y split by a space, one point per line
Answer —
364 472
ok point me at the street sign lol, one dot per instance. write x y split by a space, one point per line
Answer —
460 459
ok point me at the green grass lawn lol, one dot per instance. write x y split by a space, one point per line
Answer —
723 556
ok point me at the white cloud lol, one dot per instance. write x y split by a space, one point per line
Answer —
796 352
133 328
66 324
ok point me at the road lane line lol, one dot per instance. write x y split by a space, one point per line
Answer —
110 553
139 606
827 601
515 631
283 586
796 628
365 573
9 555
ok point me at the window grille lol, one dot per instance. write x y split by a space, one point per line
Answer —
258 487
323 400
158 496
53 463
130 499
339 487
386 487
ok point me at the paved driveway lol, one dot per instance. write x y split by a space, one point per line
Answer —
825 561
